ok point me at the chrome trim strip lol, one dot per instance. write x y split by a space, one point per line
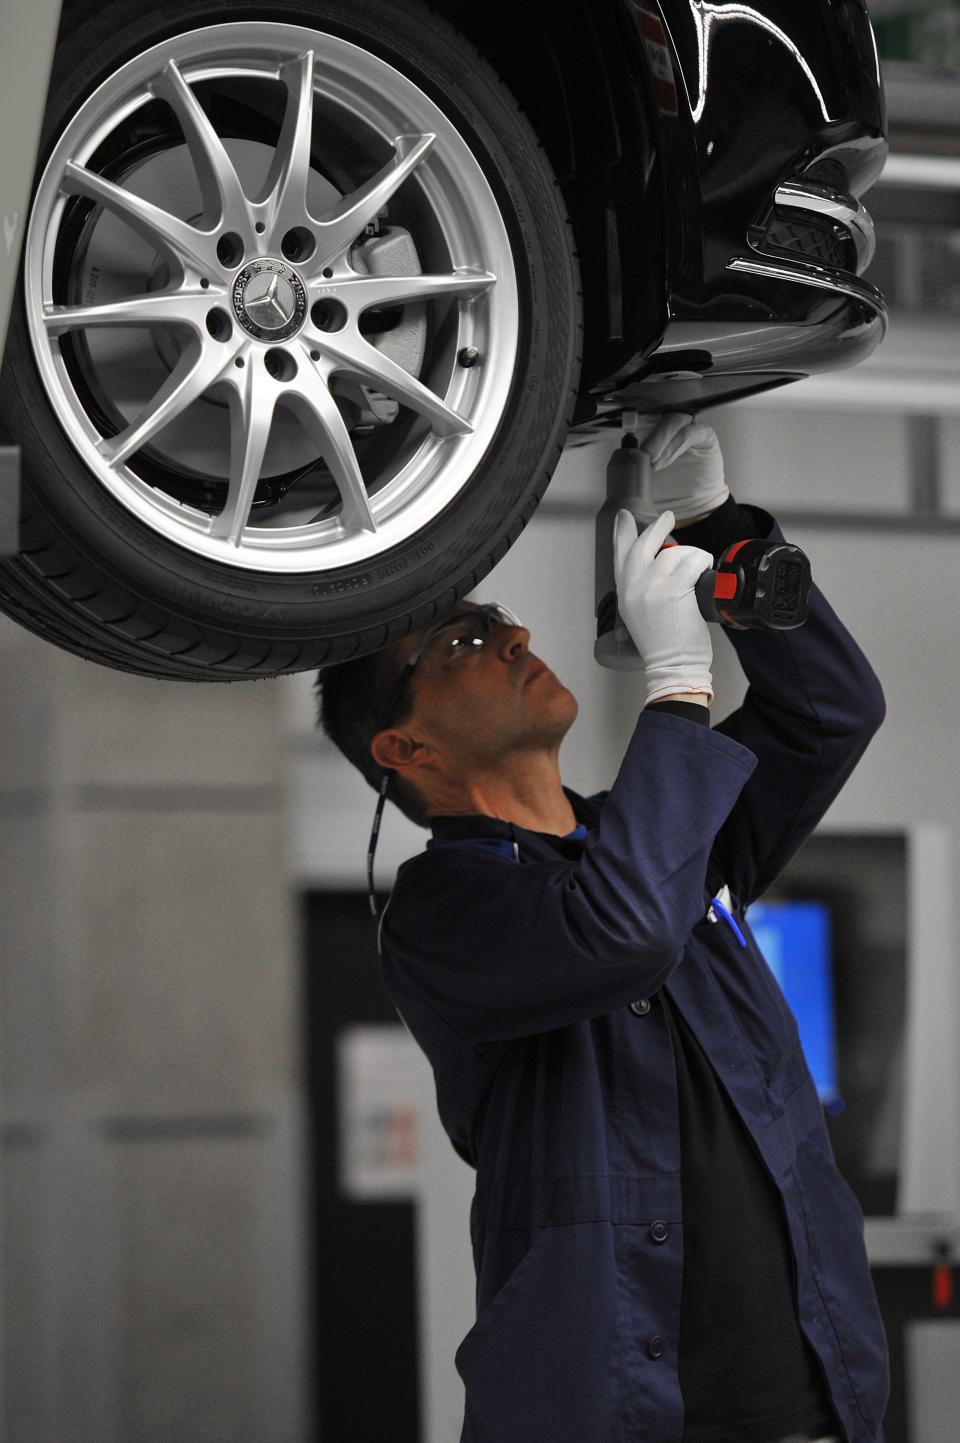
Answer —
808 273
846 209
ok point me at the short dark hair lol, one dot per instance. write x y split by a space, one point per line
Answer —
352 697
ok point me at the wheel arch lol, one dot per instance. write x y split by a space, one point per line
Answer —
584 80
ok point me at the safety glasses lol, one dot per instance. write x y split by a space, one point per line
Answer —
445 646
445 643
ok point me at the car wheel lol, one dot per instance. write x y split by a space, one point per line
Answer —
297 338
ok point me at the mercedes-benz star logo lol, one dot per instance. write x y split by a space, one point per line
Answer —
269 300
274 307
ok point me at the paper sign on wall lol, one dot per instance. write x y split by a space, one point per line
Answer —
380 1087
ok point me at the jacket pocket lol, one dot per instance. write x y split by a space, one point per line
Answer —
541 1361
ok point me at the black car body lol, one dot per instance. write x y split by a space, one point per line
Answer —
712 157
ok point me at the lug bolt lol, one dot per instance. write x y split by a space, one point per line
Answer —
469 356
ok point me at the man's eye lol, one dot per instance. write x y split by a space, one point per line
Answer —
463 643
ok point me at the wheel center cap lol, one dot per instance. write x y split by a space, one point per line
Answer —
269 299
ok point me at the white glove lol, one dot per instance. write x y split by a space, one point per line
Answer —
688 454
657 601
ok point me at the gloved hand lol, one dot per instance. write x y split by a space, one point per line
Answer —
687 466
657 600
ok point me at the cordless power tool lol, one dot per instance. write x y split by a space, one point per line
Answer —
755 583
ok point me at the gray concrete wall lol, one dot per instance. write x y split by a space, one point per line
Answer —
150 1113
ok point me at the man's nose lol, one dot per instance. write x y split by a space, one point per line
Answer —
514 640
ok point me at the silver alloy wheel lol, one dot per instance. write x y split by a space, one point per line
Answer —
242 325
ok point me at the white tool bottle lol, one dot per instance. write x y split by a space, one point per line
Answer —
628 476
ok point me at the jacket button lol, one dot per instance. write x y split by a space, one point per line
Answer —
655 1347
639 1009
659 1231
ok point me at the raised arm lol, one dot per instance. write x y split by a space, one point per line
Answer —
502 950
812 705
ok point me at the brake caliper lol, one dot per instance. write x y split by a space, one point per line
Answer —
400 332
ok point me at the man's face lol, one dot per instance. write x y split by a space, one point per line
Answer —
473 704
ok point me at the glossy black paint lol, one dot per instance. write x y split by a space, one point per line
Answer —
581 76
665 188
768 88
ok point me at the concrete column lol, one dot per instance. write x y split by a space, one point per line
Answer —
150 1129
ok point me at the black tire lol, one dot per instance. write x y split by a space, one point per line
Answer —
94 578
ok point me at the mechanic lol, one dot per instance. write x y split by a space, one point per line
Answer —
665 1249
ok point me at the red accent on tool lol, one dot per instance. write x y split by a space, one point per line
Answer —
729 555
725 586
942 1287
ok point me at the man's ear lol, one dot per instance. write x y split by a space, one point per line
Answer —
396 750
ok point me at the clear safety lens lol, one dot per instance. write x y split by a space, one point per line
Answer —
466 632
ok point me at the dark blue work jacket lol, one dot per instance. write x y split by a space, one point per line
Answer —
513 957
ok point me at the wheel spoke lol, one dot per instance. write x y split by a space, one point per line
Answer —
310 399
193 374
286 185
223 199
186 308
252 404
368 291
357 357
356 210
183 241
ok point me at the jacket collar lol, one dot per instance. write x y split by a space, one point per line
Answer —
475 825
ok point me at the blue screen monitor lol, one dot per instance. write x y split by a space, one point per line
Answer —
794 937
